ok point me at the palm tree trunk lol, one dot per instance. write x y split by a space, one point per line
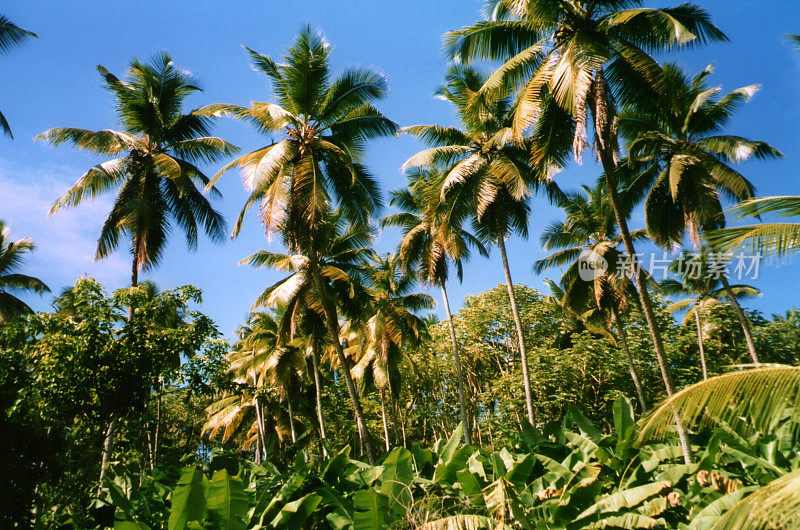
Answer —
333 329
291 421
606 140
745 323
259 413
157 432
462 400
382 396
623 339
318 393
700 343
512 297
108 444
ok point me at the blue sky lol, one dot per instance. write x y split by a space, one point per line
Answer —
52 81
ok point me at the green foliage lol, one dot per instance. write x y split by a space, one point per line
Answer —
94 359
570 475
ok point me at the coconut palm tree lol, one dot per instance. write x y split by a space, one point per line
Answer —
12 254
388 325
486 169
257 340
316 165
433 240
684 164
587 237
343 248
11 36
701 289
576 58
154 173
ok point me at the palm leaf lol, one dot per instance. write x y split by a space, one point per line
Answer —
759 395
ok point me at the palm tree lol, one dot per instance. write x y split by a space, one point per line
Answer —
12 254
11 36
342 251
486 169
433 239
702 291
573 57
156 176
316 166
589 233
388 326
684 163
257 340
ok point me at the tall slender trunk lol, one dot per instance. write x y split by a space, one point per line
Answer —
333 330
257 451
108 444
512 297
462 399
259 413
745 323
291 421
382 396
318 393
606 141
156 434
623 339
700 342
135 270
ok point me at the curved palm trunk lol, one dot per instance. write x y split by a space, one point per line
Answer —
606 141
382 396
318 394
700 342
462 400
512 297
745 323
623 339
333 329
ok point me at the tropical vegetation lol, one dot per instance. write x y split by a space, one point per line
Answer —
620 399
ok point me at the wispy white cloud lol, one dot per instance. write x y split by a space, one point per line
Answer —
65 242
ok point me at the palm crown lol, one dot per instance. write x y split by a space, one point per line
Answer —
554 51
155 173
589 229
433 236
11 36
12 254
682 158
484 167
324 123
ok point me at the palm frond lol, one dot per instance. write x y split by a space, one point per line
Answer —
748 400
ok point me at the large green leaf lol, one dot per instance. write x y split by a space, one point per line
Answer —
625 499
372 510
269 505
227 502
396 479
295 514
188 499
